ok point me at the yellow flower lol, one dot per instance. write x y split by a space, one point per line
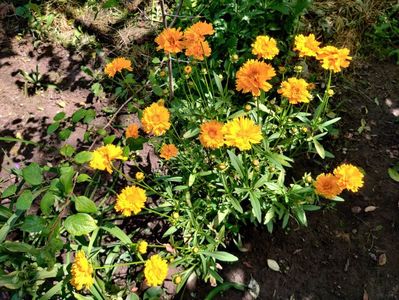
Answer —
327 186
198 49
241 132
155 270
187 69
117 65
82 272
295 90
170 40
168 151
155 119
333 59
130 200
265 47
142 247
252 77
139 176
132 131
349 177
211 135
102 157
306 45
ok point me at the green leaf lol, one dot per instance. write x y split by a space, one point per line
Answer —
53 127
255 205
7 226
80 224
78 115
136 144
191 133
225 286
65 134
81 297
118 233
11 281
269 215
310 207
24 201
33 174
47 202
9 191
90 116
85 205
221 255
33 224
67 150
236 162
17 246
171 230
132 297
218 84
59 116
83 157
109 139
66 179
393 173
83 178
5 212
157 90
319 148
153 293
301 216
110 3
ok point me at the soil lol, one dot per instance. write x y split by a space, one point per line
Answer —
344 253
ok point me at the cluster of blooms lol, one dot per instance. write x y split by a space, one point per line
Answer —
254 75
117 65
192 40
345 176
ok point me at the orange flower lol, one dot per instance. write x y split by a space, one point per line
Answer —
155 119
211 135
306 45
253 75
170 40
327 185
333 59
265 47
295 90
168 151
117 65
349 177
132 131
198 49
202 28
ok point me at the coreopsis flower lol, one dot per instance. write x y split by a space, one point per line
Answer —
241 132
211 135
198 49
349 177
170 40
142 247
295 90
265 47
199 30
82 272
306 45
139 176
132 131
117 65
327 185
252 77
187 70
102 157
155 119
130 200
168 151
333 59
155 270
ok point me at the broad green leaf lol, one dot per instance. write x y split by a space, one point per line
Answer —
53 127
85 205
17 246
83 178
47 203
83 157
59 116
132 297
269 215
221 255
80 224
33 174
191 133
393 173
67 150
301 216
11 281
9 191
24 201
65 134
33 224
66 179
78 115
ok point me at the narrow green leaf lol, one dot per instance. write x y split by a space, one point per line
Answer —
9 191
236 162
319 148
255 206
221 255
118 233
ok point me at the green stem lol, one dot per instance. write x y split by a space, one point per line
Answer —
120 265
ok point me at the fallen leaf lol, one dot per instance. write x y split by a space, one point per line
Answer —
61 103
253 288
365 295
370 208
272 264
382 259
356 209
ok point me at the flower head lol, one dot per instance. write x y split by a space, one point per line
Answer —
187 69
142 247
102 157
327 186
168 151
295 90
252 77
132 131
130 200
242 132
306 45
155 270
139 176
333 59
170 40
117 65
349 177
198 49
211 135
201 29
155 119
265 47
82 272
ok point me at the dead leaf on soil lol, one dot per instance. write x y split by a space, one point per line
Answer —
382 259
61 103
254 289
356 209
272 264
370 208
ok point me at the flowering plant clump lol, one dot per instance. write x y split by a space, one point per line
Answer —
164 194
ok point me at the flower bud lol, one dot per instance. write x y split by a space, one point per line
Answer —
298 69
222 166
162 73
234 58
247 107
139 176
177 279
175 215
